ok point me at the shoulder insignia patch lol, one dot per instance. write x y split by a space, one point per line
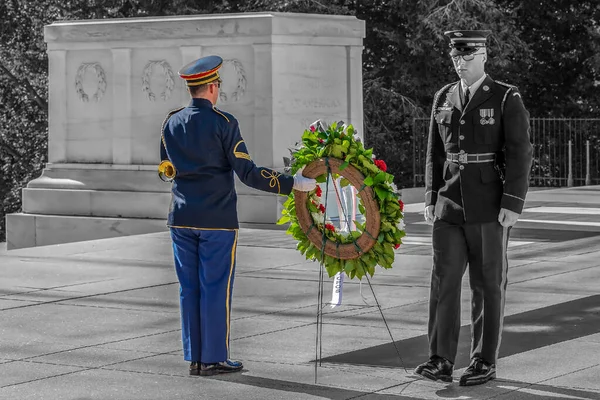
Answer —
240 154
215 109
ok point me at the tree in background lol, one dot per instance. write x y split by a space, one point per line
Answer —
550 49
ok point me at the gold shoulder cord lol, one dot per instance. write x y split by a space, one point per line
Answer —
166 169
439 94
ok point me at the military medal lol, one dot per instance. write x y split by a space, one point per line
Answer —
487 116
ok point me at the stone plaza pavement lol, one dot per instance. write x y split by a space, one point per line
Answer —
99 319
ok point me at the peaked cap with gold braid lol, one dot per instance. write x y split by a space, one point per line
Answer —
201 71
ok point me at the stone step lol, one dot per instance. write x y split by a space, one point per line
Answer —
100 177
29 230
96 203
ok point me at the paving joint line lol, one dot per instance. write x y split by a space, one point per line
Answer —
275 331
41 379
84 369
98 344
90 295
555 274
116 308
37 290
569 373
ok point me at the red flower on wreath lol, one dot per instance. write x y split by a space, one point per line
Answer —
396 246
322 208
318 191
312 128
401 205
330 227
321 141
381 165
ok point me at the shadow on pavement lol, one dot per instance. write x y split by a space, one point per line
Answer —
522 332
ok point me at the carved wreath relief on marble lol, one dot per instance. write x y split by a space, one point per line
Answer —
232 89
169 79
234 80
100 77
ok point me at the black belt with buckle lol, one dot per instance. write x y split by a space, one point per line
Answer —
464 158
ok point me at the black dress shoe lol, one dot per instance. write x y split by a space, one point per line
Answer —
478 372
222 367
437 368
194 368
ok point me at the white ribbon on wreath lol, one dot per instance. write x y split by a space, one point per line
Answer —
345 226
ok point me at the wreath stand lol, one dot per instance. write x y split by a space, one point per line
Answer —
347 251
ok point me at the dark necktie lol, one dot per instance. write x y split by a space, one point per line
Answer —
467 96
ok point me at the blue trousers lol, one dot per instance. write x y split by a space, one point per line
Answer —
205 266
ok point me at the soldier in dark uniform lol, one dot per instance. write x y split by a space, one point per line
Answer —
477 175
201 148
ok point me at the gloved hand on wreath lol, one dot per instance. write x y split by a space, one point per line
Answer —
303 183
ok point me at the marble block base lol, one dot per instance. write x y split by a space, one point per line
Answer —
29 230
82 202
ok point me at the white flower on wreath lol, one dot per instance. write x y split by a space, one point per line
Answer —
318 217
401 225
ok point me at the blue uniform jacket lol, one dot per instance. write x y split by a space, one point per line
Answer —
494 121
205 146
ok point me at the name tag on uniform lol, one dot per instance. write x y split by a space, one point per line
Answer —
487 116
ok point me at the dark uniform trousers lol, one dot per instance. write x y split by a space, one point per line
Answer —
468 192
483 247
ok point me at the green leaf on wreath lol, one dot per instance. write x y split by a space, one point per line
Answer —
361 208
344 182
349 266
283 220
343 167
368 181
380 177
371 270
321 178
381 238
382 194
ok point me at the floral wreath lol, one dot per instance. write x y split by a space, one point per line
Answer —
336 150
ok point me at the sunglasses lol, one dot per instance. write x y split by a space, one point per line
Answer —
468 57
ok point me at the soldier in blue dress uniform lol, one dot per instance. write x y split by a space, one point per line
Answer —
201 147
478 161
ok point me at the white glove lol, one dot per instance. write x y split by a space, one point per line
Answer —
429 214
303 183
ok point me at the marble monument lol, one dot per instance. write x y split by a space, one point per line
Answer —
111 83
